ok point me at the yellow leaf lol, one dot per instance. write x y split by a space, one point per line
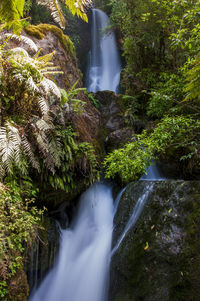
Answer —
170 210
147 246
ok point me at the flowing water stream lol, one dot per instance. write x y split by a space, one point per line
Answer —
81 271
104 62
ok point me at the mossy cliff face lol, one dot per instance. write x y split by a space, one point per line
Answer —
50 38
159 259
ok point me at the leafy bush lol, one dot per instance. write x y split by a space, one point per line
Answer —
167 94
174 136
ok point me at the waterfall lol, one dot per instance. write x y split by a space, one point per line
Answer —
153 173
137 210
81 271
104 63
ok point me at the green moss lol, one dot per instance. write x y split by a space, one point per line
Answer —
40 30
34 32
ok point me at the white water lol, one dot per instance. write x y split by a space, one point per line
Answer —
104 63
153 173
137 210
81 271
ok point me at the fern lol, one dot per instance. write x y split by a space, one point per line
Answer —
55 10
75 6
32 46
49 88
27 148
44 107
10 146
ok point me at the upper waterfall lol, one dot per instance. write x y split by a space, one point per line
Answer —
104 62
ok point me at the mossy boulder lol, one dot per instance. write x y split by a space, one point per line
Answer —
159 259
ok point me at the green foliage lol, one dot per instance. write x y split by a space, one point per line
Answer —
24 89
192 88
187 35
10 13
72 97
18 226
12 10
76 7
176 137
166 95
35 135
93 100
152 31
130 106
77 158
27 7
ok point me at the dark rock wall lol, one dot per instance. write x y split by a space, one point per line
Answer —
159 260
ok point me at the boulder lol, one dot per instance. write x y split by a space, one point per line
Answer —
159 258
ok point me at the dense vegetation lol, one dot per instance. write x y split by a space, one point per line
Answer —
160 42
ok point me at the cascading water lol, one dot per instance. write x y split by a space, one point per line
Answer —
82 268
104 62
137 210
153 173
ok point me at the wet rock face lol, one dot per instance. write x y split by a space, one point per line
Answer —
43 252
112 118
159 259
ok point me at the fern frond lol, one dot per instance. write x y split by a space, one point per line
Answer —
32 46
43 105
10 13
19 50
50 87
10 146
30 84
29 152
55 11
43 126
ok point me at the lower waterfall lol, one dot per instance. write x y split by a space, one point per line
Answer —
82 268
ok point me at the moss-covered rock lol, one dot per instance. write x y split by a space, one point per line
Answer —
159 258
18 288
41 30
